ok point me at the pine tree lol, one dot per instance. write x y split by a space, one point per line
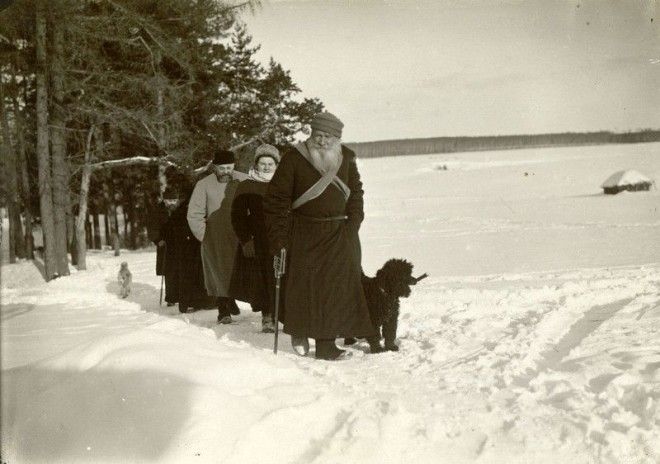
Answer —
142 85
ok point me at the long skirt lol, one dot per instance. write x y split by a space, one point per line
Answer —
253 280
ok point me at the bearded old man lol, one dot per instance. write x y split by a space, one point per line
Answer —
313 208
209 218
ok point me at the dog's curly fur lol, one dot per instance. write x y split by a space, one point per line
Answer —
382 292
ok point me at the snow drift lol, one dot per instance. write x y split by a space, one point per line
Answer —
535 338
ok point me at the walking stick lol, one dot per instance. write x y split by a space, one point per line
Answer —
162 279
279 264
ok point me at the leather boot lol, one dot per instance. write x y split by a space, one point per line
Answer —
300 345
233 307
391 346
374 345
224 317
327 350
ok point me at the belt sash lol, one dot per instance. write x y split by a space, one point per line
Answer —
319 187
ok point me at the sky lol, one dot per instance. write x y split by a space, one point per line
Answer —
402 69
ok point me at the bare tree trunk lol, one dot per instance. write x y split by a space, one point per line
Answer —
111 200
115 244
112 231
73 245
9 181
115 217
134 227
106 226
115 231
23 177
71 228
11 233
16 231
130 220
160 105
61 200
97 230
43 152
125 219
81 220
88 232
5 169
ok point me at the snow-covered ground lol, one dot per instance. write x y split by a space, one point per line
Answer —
536 338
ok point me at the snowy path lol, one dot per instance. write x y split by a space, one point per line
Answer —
492 369
536 338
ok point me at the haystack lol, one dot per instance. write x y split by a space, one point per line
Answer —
629 180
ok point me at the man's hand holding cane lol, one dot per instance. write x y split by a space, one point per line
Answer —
279 266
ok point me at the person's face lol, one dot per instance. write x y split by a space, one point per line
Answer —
322 139
223 171
171 203
266 165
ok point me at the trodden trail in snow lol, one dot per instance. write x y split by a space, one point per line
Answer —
536 338
490 370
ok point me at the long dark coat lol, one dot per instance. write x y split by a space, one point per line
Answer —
252 280
183 265
158 216
323 295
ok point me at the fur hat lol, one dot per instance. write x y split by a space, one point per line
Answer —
266 150
223 156
327 122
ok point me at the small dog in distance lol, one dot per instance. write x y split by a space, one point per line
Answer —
382 293
125 279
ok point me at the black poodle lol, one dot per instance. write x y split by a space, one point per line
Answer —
382 292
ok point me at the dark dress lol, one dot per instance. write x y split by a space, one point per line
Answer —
252 279
323 296
158 217
183 262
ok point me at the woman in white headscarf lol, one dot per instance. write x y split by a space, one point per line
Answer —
252 279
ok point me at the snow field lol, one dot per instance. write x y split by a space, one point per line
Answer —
535 338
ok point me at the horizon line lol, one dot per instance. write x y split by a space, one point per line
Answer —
636 131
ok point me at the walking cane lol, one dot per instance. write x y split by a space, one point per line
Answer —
162 277
279 264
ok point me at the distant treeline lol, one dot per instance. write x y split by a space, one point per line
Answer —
499 142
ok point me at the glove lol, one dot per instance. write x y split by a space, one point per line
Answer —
278 265
276 247
248 249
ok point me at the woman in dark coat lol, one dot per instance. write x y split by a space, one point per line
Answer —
158 217
183 261
252 279
314 208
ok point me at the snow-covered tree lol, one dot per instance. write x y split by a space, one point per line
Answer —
139 85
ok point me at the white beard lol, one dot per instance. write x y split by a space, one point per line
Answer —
325 159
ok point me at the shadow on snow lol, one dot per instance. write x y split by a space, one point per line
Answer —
110 415
245 328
